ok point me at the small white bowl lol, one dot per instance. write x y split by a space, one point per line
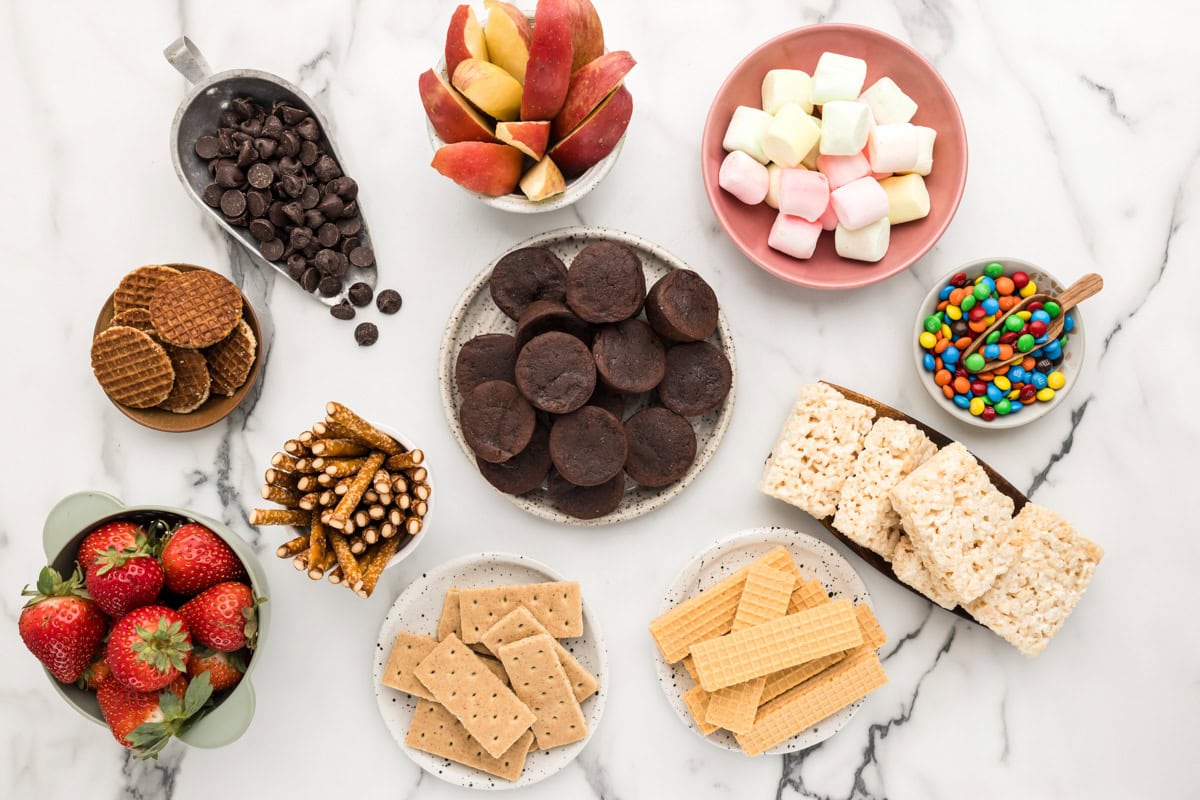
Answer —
1071 366
408 549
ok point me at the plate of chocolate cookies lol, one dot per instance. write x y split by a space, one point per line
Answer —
589 374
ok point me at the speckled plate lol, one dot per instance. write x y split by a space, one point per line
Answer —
815 560
417 610
476 314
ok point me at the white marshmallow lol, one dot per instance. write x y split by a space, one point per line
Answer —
744 178
844 127
810 160
892 147
908 199
791 135
925 140
746 130
840 170
859 203
783 86
829 219
794 236
865 244
803 193
888 104
774 173
837 77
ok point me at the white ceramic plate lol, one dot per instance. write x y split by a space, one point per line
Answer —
476 314
815 560
417 610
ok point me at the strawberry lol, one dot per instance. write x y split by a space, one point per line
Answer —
224 669
224 617
195 558
146 721
96 673
147 648
61 625
123 580
119 535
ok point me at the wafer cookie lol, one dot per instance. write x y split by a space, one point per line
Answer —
808 594
779 682
230 359
435 730
135 318
690 668
539 680
697 702
192 381
137 287
765 596
556 605
195 309
131 367
520 624
733 708
408 651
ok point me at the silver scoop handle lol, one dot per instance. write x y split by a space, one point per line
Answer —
184 56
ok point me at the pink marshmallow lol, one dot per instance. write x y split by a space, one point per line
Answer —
803 193
829 220
840 170
881 175
744 178
892 148
859 203
794 236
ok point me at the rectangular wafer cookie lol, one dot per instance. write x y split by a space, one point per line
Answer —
521 624
697 703
435 730
765 596
733 708
873 634
557 606
808 594
691 668
779 682
776 645
450 623
459 680
538 679
408 651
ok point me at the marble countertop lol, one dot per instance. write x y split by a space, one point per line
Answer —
1082 132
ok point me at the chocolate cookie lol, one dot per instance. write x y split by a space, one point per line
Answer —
698 378
525 471
543 316
682 307
662 446
586 502
490 357
588 447
497 421
556 373
526 275
629 356
605 283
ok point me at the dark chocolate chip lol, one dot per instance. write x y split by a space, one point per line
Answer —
294 212
308 153
277 215
233 203
308 129
272 250
348 245
299 238
331 206
296 264
366 334
326 169
257 202
238 221
272 127
361 294
342 310
208 147
260 176
362 256
229 119
293 185
329 286
262 229
252 127
229 176
289 143
292 115
288 165
212 195
266 147
243 107
348 189
310 279
247 155
324 261
349 226
225 141
351 210
313 219
328 234
310 197
389 301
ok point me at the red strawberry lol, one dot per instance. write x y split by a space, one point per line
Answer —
146 721
147 648
195 558
224 617
96 673
61 625
121 581
118 536
224 669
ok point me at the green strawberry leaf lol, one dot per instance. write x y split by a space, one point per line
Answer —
198 693
149 738
48 579
169 702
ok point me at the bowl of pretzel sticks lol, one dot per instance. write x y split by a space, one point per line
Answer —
358 495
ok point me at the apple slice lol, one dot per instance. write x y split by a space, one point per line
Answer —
452 116
490 88
590 84
587 34
543 180
508 36
529 137
596 136
464 38
491 169
548 73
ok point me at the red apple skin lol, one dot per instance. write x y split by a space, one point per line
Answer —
531 137
587 33
590 84
491 169
457 47
596 136
451 114
548 73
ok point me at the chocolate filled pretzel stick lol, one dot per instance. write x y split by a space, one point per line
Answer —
339 447
277 516
405 460
350 500
280 496
293 547
362 430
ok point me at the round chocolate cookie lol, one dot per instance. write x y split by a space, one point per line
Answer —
490 357
543 316
629 356
606 283
662 446
556 373
588 447
697 380
526 275
497 421
611 401
586 502
682 307
525 471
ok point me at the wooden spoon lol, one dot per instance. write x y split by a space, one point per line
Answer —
1072 296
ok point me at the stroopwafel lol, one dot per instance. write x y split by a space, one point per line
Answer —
229 360
136 288
192 381
195 309
135 318
131 367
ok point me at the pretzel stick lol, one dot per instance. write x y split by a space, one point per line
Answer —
317 572
339 447
382 482
405 460
419 508
326 429
418 474
281 496
387 530
335 575
413 526
306 483
345 559
357 545
375 512
361 520
293 547
277 516
341 487
326 480
421 491
293 447
370 535
280 478
305 465
326 515
300 562
399 484
317 544
306 438
350 500
385 499
362 430
379 559
349 526
403 501
309 501
283 461
370 496
339 467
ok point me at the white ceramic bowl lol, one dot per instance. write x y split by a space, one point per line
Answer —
407 550
1071 366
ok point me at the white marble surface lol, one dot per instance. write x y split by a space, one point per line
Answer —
1083 127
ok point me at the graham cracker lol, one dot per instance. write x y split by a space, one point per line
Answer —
496 667
538 679
765 596
697 702
521 624
809 594
435 730
557 606
408 651
450 623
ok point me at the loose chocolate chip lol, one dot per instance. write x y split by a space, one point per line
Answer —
313 219
389 301
342 310
272 250
272 127
262 229
326 169
208 147
247 155
341 264
347 246
233 203
310 197
296 264
349 226
360 294
238 221
366 334
212 195
325 261
329 286
243 107
331 206
292 115
228 119
276 214
266 147
252 127
328 234
310 279
225 141
348 189
289 143
299 238
308 153
239 138
229 176
289 166
257 202
293 185
362 256
351 210
312 249
294 212
260 176
308 129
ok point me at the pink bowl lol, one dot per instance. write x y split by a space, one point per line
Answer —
748 226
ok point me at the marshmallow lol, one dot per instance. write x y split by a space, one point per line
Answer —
880 175
892 147
925 139
829 219
783 86
744 178
837 77
841 170
794 236
810 160
746 130
844 127
774 173
869 243
908 199
803 193
859 203
888 104
791 135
